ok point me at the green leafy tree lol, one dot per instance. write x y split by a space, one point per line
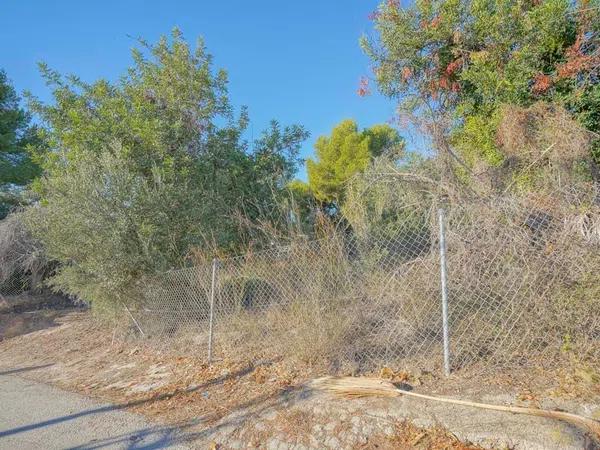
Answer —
244 184
109 227
139 172
275 161
345 152
467 58
16 167
162 112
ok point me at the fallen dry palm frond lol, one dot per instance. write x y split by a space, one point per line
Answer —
355 387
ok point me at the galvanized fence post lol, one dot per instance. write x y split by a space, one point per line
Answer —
444 280
211 319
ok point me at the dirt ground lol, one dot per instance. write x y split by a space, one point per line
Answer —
26 312
264 404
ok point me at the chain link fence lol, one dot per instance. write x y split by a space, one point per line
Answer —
22 264
15 285
519 278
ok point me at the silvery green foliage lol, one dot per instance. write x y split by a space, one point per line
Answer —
109 226
140 171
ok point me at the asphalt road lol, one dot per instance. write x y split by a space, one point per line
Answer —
38 416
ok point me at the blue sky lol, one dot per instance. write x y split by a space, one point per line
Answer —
298 62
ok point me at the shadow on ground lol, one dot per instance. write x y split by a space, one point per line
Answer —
17 324
183 433
25 369
166 436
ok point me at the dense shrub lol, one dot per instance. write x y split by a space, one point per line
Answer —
109 227
139 172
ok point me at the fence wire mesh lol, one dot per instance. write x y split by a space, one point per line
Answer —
523 288
15 285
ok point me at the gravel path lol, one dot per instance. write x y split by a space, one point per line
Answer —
38 416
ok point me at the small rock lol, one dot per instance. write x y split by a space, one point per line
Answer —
272 444
332 442
330 427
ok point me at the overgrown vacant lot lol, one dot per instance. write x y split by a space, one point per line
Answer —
230 403
452 247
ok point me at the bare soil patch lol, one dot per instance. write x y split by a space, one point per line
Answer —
27 312
229 401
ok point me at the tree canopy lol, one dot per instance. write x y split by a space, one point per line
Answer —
139 172
16 166
345 152
471 57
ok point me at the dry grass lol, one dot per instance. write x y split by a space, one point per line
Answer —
22 260
77 355
523 286
407 436
528 133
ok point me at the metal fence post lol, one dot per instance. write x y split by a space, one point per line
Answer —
444 280
212 309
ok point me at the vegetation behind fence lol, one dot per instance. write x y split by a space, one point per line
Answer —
522 285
